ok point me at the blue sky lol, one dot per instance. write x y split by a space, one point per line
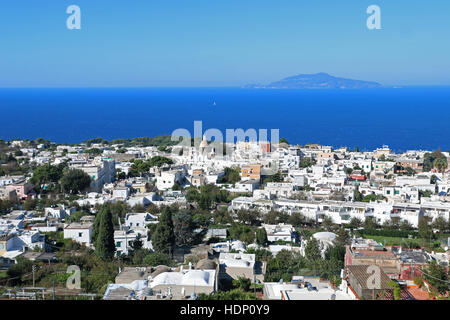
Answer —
167 43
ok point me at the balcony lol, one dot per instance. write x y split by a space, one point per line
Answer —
395 214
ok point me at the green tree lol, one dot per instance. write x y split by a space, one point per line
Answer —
163 239
327 223
156 259
312 250
441 224
75 181
424 228
357 195
30 204
355 223
204 201
277 177
440 164
405 225
158 161
248 237
137 256
232 175
271 217
343 237
47 174
396 290
249 217
283 140
18 271
296 219
241 232
261 236
183 227
94 152
234 294
104 242
139 167
370 223
437 276
192 195
242 283
433 179
410 171
306 162
430 158
76 216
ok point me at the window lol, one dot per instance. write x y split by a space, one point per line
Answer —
80 234
118 244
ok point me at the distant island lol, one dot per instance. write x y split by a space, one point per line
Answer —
316 81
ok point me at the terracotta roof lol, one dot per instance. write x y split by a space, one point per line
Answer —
370 253
418 293
360 272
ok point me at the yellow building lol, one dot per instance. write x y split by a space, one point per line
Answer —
5 243
252 171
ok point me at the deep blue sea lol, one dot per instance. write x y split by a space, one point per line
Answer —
403 118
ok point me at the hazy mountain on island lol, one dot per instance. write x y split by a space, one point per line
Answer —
316 81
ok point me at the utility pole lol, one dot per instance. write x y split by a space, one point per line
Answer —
53 289
33 268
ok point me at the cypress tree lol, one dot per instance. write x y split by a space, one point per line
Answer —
95 227
104 242
312 250
163 239
261 236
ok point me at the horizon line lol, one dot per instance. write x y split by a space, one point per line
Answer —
398 86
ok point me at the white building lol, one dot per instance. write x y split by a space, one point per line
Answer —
139 220
79 232
124 239
59 212
308 288
280 189
167 179
277 232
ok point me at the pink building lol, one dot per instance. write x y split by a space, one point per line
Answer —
23 190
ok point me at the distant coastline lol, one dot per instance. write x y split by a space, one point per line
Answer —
316 81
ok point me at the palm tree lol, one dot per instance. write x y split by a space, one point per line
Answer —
440 164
